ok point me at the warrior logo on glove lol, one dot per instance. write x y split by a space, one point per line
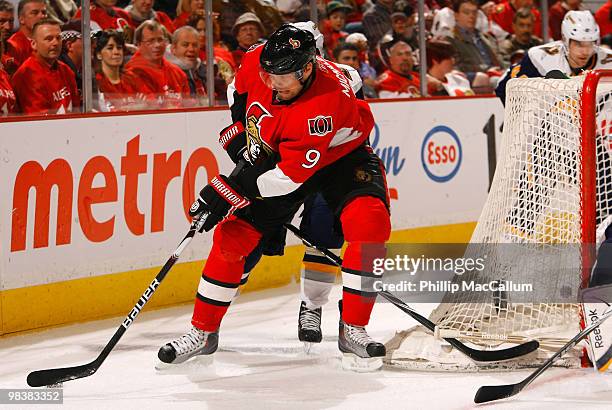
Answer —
255 114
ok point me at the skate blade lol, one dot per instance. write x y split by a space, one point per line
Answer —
358 364
194 363
308 347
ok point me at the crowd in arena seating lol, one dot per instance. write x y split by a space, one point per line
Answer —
149 54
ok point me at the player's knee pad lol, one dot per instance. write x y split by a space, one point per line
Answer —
234 239
366 219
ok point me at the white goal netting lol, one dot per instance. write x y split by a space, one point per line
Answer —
534 226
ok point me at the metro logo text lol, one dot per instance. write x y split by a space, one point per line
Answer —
134 170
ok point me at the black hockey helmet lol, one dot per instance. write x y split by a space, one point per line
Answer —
288 50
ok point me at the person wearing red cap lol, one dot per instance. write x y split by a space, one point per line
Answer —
43 84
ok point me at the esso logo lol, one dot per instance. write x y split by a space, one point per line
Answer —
441 153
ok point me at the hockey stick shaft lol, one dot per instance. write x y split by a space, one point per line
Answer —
476 355
491 393
48 377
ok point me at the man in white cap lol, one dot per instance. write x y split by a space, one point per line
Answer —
247 30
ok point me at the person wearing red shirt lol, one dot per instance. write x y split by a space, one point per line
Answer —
8 101
107 16
43 84
248 30
115 92
333 26
557 12
398 81
141 10
19 45
504 14
603 17
163 84
187 8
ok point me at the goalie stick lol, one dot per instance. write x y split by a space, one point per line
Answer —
491 393
48 377
474 354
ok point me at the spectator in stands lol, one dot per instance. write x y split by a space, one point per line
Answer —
504 13
187 8
522 39
183 52
19 45
162 83
114 92
557 12
333 25
141 10
603 16
225 66
43 84
444 22
72 55
475 50
289 9
366 71
442 78
107 16
8 101
247 30
403 29
347 53
6 24
399 80
61 11
377 22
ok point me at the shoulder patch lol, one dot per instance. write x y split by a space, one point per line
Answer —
515 71
320 126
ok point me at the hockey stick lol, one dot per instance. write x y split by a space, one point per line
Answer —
48 377
491 393
476 355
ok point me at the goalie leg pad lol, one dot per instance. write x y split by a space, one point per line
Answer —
233 240
600 340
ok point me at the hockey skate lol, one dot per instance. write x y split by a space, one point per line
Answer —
194 343
360 352
309 326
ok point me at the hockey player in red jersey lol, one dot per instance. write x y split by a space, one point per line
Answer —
299 125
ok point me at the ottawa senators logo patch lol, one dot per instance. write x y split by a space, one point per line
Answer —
294 43
362 176
255 113
320 126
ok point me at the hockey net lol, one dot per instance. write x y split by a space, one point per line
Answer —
552 188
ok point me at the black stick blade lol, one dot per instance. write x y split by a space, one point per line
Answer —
492 393
47 377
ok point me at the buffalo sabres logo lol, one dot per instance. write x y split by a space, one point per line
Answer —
320 126
255 144
294 43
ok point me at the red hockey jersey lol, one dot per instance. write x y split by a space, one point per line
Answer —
162 85
45 89
8 102
321 126
18 49
113 18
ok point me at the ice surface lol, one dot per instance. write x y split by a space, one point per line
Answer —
262 365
